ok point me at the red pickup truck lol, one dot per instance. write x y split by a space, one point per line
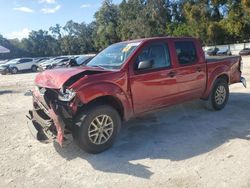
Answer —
123 81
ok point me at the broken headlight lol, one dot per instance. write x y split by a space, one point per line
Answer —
66 94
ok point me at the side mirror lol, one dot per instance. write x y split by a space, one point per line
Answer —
148 64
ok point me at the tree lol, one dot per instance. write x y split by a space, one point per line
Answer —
106 24
214 21
56 31
78 38
40 43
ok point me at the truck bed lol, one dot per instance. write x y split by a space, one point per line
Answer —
229 64
213 59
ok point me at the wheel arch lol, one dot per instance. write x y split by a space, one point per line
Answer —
107 93
210 83
223 76
106 100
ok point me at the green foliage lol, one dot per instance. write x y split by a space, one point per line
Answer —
214 21
139 19
106 24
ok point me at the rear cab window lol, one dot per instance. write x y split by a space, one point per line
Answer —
186 52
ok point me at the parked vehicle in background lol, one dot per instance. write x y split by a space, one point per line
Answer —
76 61
126 80
4 68
212 51
21 64
41 59
245 51
49 64
3 61
60 62
84 59
224 52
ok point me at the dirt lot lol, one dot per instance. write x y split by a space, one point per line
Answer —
183 146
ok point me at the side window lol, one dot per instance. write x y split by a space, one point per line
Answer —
157 53
186 52
28 60
21 61
25 60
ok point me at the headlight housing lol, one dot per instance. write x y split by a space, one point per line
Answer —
66 94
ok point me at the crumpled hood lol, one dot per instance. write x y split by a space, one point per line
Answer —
56 78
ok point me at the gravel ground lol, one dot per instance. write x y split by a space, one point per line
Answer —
182 146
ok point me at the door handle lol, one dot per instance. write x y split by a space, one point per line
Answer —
172 74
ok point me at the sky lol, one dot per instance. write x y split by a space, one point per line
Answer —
19 17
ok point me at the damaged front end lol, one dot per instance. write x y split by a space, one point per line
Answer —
51 117
55 102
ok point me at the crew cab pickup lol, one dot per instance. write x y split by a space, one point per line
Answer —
123 81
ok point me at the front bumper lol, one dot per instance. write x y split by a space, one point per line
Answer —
48 122
243 81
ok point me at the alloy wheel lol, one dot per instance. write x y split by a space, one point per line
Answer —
100 129
220 95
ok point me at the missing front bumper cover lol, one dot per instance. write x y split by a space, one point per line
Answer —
40 129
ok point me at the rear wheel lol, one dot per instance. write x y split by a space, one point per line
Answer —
219 95
14 70
96 128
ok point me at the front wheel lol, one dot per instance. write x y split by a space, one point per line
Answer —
96 128
14 70
219 95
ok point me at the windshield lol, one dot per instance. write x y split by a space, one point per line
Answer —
114 56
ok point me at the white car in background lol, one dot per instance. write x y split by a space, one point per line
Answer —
22 64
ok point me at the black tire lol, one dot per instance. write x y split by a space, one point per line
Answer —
213 103
83 123
34 68
14 70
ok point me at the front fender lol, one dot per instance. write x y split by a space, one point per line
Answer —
92 92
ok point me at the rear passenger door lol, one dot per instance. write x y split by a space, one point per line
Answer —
191 70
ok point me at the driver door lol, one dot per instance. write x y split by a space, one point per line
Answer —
153 87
